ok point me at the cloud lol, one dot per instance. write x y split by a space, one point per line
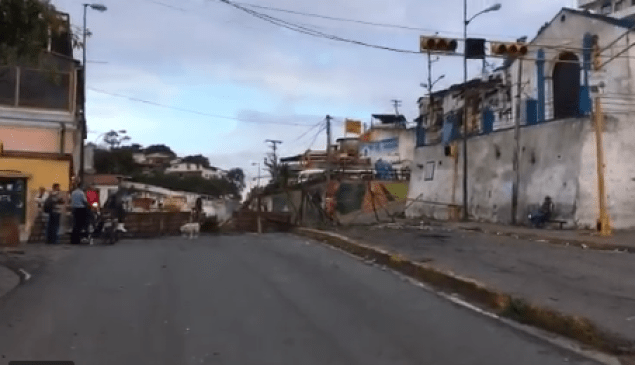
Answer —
198 58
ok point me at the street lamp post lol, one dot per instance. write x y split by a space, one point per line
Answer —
254 164
102 8
466 22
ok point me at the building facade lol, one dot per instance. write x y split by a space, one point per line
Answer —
39 129
557 147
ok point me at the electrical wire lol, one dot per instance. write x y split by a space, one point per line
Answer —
311 32
308 131
384 25
190 110
167 5
316 136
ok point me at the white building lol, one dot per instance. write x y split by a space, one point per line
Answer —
189 169
621 9
389 140
557 139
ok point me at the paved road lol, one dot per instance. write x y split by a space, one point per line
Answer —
275 299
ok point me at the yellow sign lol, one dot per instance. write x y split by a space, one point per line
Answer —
353 126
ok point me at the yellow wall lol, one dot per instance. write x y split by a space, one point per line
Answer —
43 172
35 139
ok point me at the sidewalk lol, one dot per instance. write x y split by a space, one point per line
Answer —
620 240
592 284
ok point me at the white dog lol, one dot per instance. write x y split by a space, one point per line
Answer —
191 229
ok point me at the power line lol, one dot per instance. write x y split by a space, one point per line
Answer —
308 131
167 5
190 110
385 25
311 32
316 136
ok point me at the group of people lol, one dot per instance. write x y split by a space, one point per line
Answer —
84 205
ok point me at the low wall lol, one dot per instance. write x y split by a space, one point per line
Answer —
140 225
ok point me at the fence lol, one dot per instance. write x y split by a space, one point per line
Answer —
37 88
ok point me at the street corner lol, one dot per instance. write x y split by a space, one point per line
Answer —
8 280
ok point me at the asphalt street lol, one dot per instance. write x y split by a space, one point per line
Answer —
244 299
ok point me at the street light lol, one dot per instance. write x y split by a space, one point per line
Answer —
466 22
431 85
254 164
100 8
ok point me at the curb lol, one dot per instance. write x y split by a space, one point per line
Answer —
483 298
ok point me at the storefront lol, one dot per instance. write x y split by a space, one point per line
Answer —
21 175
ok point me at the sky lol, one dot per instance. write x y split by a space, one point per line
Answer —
269 82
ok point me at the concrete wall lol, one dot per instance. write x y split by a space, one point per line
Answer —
550 164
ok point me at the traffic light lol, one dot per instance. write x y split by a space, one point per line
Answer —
475 48
509 49
437 44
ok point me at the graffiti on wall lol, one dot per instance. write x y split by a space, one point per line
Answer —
380 148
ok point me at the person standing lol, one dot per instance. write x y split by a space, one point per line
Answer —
79 206
53 207
41 197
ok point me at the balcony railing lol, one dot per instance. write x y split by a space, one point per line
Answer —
23 87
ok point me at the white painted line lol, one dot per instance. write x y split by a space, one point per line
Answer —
25 274
548 337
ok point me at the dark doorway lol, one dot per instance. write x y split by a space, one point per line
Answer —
566 86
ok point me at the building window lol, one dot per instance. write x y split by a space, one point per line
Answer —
429 171
606 8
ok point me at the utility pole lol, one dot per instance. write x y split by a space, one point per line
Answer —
604 224
328 150
396 104
465 23
274 146
516 161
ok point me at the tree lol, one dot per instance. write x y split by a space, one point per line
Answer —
159 148
114 161
25 29
114 139
237 176
198 160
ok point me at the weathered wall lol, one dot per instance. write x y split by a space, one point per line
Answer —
619 147
37 139
550 164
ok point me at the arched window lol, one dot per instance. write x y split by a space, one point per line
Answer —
566 86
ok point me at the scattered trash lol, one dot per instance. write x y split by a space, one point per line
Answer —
584 246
